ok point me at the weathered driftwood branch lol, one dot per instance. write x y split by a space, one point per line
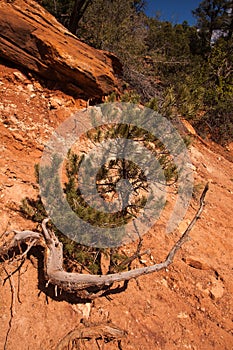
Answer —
75 282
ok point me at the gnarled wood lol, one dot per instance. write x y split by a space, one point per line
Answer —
75 282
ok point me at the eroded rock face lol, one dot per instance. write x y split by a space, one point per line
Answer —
32 38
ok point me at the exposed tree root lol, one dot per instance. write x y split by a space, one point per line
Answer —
12 306
107 332
81 283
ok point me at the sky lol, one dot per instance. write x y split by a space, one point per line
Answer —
175 11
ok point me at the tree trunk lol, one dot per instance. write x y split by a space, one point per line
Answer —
79 9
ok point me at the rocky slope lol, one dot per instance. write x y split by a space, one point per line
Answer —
189 306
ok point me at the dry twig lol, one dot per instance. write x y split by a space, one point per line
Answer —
107 331
12 306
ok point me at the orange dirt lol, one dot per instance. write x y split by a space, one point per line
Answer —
188 306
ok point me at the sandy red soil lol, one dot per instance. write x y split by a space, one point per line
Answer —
188 306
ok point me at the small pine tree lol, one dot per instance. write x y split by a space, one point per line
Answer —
108 183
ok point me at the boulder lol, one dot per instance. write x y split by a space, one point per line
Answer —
32 38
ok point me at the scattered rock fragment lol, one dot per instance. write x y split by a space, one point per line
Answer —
197 263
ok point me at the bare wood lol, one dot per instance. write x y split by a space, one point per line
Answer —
20 237
12 306
75 282
93 332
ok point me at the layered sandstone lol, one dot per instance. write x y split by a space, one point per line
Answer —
32 38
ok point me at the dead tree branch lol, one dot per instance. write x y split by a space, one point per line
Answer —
12 306
75 282
107 331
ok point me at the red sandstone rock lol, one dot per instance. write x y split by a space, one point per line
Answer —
32 38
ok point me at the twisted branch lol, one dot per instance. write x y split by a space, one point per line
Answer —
75 282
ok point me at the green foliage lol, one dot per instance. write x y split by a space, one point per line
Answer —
153 104
33 209
106 181
85 257
117 263
167 41
212 16
218 95
130 97
109 175
61 9
114 26
168 107
76 256
176 69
